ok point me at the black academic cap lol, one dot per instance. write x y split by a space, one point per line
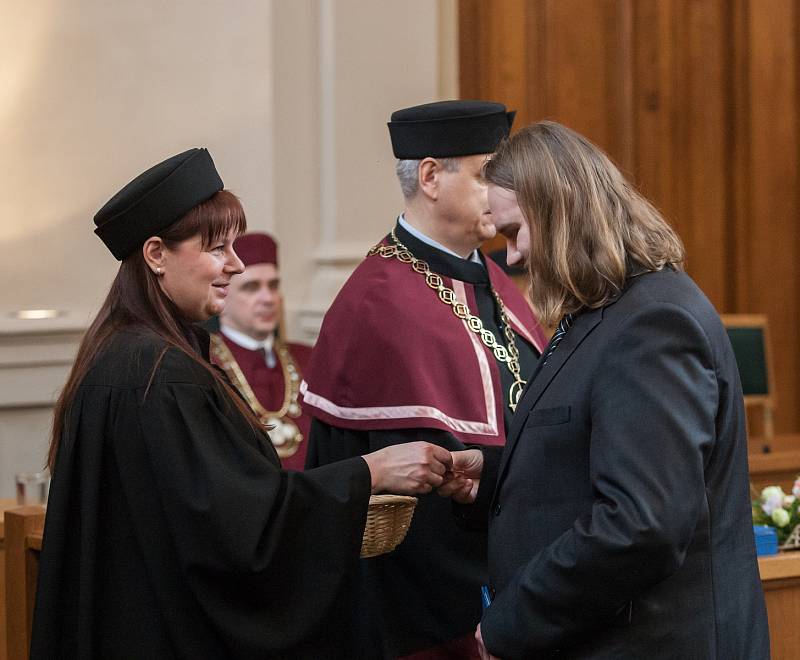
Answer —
449 128
156 199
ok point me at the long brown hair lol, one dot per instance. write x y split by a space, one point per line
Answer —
136 299
586 221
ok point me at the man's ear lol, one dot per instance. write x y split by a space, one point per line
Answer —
428 177
154 252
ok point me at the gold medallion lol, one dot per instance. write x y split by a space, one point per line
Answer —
508 355
284 434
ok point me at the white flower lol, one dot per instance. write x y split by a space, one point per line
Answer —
788 500
796 488
780 517
771 499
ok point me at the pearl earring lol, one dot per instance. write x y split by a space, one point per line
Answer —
158 271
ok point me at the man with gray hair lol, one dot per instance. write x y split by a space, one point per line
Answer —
427 339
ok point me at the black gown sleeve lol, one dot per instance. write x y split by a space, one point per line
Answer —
172 532
256 546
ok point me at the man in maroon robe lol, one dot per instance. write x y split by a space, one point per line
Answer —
427 339
266 369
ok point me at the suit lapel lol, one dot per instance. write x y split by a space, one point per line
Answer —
544 374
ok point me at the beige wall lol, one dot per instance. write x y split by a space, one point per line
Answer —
335 190
290 96
95 91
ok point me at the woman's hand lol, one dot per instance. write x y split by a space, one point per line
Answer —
464 478
411 468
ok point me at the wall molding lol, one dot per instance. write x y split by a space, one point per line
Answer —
333 264
34 364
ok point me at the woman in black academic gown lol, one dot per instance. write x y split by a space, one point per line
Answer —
171 530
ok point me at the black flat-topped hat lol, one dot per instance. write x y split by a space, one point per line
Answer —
447 129
156 199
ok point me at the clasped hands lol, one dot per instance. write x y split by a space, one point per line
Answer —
416 468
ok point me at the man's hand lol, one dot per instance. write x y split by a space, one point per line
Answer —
462 481
485 655
410 468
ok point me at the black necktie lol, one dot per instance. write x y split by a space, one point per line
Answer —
563 325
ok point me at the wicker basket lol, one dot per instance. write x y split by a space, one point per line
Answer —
388 519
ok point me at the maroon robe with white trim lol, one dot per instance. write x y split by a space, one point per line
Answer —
394 364
391 355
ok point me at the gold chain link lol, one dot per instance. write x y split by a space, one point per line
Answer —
508 355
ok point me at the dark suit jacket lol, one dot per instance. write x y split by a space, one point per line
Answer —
620 526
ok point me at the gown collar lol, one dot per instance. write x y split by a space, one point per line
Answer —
443 263
246 341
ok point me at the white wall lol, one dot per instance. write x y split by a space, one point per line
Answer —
335 189
95 92
290 96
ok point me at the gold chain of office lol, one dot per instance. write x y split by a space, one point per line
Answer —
508 355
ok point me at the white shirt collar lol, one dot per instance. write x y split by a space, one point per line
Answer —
246 341
416 233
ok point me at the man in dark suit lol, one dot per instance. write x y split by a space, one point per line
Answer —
619 517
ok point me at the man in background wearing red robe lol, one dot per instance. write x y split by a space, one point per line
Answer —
266 369
426 340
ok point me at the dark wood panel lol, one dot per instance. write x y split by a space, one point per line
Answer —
507 75
740 174
697 102
471 59
588 71
771 226
655 105
702 218
780 579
